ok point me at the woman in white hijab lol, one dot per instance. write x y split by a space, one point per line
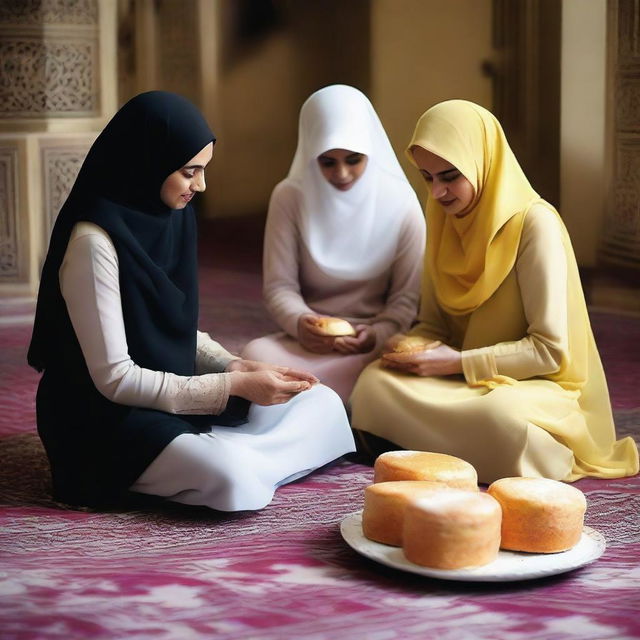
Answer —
344 238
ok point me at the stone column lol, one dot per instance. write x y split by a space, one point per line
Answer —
57 91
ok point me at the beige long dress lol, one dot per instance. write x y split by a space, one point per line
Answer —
525 424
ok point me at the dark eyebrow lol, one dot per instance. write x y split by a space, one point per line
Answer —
355 154
441 173
193 166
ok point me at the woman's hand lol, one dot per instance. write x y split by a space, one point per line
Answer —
441 361
248 366
392 342
362 342
266 384
311 337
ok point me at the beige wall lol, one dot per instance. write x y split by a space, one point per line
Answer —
417 60
583 125
399 52
405 54
255 120
260 86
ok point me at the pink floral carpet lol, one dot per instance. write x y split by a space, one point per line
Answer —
174 572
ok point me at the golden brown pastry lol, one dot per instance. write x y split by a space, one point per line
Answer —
384 505
334 326
452 529
539 515
424 465
414 344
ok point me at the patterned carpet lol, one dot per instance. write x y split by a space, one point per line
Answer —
172 572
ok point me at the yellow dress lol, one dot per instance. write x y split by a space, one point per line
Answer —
533 400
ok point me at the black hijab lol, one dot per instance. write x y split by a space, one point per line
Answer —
118 188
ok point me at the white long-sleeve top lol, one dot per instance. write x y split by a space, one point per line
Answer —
89 282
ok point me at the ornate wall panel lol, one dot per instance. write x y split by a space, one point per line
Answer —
628 103
10 249
37 12
61 161
621 237
628 32
52 77
49 59
52 57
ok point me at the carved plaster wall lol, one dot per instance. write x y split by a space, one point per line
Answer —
49 53
10 266
54 98
61 160
621 237
54 77
38 12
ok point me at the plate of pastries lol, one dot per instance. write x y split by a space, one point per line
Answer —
424 513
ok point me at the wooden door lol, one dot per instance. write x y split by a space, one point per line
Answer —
525 72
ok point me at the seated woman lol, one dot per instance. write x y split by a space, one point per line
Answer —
133 398
345 238
516 388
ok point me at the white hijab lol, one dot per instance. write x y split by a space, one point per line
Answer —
351 235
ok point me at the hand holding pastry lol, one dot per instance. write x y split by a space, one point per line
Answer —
402 343
392 342
363 341
415 344
311 336
319 333
436 360
331 326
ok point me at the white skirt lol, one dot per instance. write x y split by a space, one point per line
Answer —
239 468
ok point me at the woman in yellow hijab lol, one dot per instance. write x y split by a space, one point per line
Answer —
516 386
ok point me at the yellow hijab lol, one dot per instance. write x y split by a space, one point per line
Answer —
469 257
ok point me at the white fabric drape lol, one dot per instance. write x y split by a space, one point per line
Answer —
351 234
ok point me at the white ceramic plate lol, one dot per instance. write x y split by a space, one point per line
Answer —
507 567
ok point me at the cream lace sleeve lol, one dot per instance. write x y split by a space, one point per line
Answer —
211 356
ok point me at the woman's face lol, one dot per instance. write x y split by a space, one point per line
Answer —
180 186
341 168
447 185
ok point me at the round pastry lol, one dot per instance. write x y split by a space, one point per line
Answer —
384 505
452 529
539 515
424 465
414 344
334 326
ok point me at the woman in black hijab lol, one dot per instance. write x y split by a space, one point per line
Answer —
133 397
